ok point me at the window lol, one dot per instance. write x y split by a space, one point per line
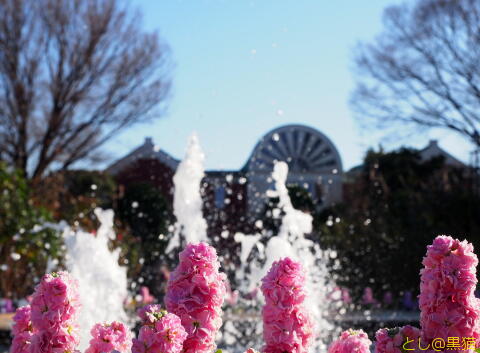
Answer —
220 197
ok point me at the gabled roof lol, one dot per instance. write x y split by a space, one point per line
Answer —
434 150
146 151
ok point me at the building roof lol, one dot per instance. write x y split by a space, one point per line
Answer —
433 150
146 151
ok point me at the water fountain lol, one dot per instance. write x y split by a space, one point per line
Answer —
187 201
242 325
102 282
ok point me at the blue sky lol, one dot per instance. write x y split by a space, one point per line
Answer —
244 67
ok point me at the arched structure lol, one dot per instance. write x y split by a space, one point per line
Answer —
303 148
313 161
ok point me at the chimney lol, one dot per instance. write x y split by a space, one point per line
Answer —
148 141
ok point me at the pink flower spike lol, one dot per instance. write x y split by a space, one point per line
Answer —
447 301
54 310
195 293
287 327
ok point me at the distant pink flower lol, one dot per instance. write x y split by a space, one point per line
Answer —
287 327
367 297
195 292
346 296
161 332
351 341
231 297
147 298
448 281
107 337
398 340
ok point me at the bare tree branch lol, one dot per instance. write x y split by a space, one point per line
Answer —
423 69
72 75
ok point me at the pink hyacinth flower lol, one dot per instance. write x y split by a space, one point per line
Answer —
54 310
195 293
447 301
287 327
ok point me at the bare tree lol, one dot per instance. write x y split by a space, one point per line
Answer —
423 69
72 75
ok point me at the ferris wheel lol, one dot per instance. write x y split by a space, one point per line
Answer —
304 149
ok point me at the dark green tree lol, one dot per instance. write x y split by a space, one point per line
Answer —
25 244
393 209
147 213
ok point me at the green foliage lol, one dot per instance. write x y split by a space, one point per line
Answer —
301 198
393 210
72 196
94 184
25 246
147 213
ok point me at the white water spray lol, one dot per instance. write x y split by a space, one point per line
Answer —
187 201
102 281
244 322
291 242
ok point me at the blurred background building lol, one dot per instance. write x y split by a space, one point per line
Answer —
313 160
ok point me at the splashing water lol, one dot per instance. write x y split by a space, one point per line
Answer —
291 238
290 242
187 201
242 322
102 281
